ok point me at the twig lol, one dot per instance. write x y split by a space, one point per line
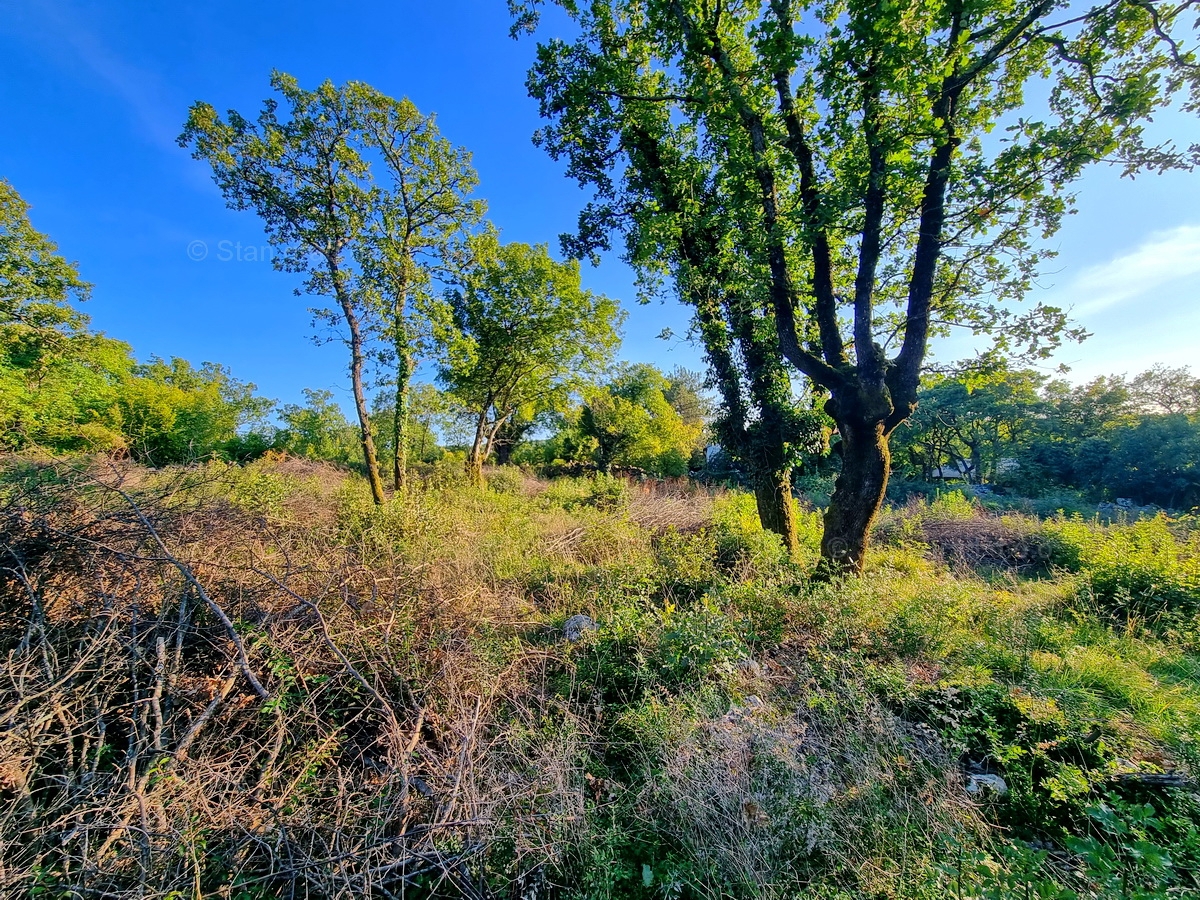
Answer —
190 578
342 658
181 749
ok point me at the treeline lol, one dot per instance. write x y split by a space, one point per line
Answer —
66 388
524 357
1115 436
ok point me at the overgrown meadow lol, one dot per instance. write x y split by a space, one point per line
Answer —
251 682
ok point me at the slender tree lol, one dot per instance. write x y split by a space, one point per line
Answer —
423 209
844 153
308 180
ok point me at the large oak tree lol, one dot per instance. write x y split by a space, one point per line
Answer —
858 174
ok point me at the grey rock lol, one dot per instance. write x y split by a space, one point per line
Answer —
985 784
578 625
750 667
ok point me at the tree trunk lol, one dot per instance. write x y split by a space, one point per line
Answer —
776 507
370 458
504 452
400 418
857 496
475 469
400 344
475 457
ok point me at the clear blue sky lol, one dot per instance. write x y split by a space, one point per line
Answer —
93 94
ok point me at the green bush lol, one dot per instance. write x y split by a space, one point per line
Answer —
741 542
686 564
1137 570
604 492
506 480
697 642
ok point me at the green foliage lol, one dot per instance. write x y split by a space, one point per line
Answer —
37 285
317 430
65 388
423 216
334 185
601 491
816 181
629 421
518 335
174 413
1156 460
506 480
1112 437
743 542
697 641
1135 571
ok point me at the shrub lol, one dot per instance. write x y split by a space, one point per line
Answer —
603 492
744 547
506 480
1136 570
697 642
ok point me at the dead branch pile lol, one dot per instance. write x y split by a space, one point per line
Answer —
199 700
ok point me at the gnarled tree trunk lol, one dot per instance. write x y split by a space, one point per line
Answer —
865 415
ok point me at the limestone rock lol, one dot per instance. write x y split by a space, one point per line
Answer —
578 625
986 784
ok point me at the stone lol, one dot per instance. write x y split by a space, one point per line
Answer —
750 667
987 784
578 625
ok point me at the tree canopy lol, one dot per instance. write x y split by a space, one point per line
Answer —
630 420
63 387
519 332
867 175
1017 431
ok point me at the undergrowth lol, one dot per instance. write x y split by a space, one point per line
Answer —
251 682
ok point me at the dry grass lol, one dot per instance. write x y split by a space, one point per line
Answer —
679 503
197 697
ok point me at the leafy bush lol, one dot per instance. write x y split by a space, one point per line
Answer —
603 492
742 544
687 563
506 480
1136 570
697 642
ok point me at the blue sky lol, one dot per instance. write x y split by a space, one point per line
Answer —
93 94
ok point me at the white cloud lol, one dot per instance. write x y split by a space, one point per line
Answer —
1163 259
